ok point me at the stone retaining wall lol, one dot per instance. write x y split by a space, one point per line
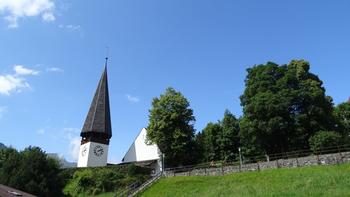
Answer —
313 160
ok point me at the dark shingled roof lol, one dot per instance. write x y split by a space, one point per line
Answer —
98 120
6 191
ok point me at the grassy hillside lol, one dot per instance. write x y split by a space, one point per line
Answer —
307 181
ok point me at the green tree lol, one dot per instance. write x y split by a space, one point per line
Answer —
265 110
211 142
199 148
342 116
171 127
10 159
310 108
229 139
283 106
31 171
219 141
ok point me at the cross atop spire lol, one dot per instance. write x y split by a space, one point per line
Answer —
97 126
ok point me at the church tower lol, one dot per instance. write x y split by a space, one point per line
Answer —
97 130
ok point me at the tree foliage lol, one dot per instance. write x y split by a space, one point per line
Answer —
30 170
229 140
342 116
324 139
211 142
199 148
283 107
219 141
171 127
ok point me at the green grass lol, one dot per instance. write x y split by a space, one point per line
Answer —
307 181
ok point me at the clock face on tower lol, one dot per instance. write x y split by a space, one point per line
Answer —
98 150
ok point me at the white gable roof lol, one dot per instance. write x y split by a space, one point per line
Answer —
140 151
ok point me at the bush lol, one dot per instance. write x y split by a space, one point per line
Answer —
137 170
92 181
323 140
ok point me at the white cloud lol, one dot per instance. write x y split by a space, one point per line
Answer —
46 130
12 83
132 99
70 27
73 27
47 16
54 69
17 9
71 130
72 135
68 137
41 131
12 21
74 146
21 70
16 82
3 109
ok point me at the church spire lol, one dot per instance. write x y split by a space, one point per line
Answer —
97 126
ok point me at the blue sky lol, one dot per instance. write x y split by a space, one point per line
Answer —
52 55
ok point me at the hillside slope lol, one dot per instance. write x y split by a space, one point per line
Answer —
2 145
307 181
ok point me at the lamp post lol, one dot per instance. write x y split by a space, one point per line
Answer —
163 165
240 158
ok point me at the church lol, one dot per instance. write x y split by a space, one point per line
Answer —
97 132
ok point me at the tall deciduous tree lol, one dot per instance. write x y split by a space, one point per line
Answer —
310 108
229 139
211 142
199 150
283 107
219 141
171 127
266 118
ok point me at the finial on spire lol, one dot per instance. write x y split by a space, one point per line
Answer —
107 53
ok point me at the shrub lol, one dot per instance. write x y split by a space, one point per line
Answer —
92 181
323 140
137 170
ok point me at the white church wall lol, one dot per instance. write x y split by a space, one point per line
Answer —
140 151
